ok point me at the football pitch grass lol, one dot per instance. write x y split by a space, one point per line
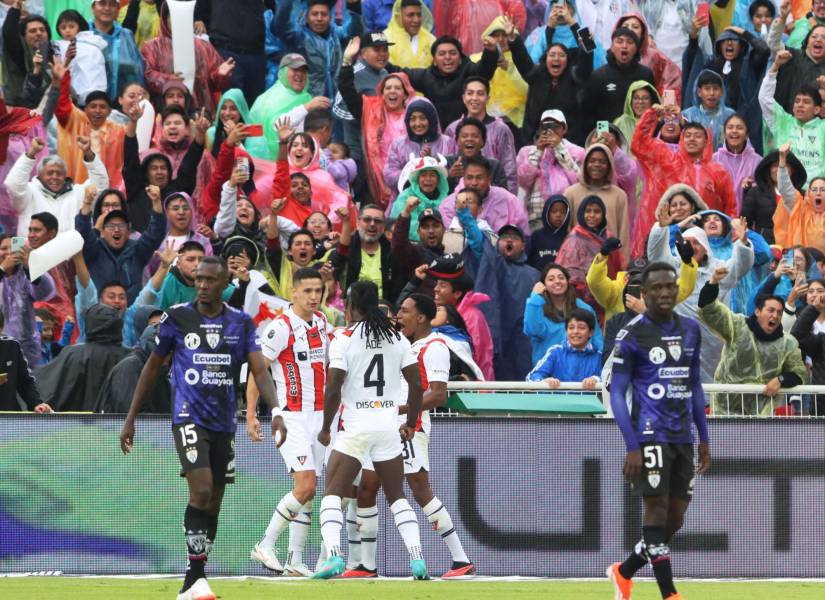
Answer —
67 588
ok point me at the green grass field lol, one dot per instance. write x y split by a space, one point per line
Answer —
165 589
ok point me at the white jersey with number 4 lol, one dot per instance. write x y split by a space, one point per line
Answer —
372 385
433 365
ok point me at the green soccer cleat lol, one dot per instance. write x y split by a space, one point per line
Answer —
332 567
419 570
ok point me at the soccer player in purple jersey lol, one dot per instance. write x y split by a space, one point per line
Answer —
209 342
656 394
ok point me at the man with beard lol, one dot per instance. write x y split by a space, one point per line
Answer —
369 256
498 206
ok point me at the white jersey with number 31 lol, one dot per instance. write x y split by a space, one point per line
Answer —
372 386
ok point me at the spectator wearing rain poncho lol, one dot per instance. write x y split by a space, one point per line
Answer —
756 350
669 23
466 20
708 105
561 28
806 226
738 265
410 30
666 74
233 107
508 91
641 95
288 96
795 268
124 65
427 179
737 155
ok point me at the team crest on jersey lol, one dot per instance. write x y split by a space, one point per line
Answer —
302 459
654 479
213 339
192 455
657 355
192 341
675 350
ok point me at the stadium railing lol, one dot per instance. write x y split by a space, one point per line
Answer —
723 400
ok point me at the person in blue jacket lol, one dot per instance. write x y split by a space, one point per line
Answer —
575 359
124 64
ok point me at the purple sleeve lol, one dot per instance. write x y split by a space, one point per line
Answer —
699 416
619 384
166 336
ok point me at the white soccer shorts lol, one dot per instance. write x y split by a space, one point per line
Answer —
372 446
415 453
302 451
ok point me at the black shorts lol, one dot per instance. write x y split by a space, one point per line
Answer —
667 470
200 448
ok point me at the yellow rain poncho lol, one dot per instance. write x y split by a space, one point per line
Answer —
403 54
508 91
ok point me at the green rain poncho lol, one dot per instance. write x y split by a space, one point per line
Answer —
747 359
276 101
627 121
423 164
255 146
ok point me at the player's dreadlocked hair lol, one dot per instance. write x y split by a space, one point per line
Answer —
363 297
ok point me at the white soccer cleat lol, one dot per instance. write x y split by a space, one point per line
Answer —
266 557
297 570
200 590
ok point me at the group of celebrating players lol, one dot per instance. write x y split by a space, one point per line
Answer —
357 400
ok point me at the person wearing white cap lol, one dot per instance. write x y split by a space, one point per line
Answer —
738 265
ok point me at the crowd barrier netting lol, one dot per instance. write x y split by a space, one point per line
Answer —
533 497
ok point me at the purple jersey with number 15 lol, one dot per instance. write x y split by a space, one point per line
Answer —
660 361
206 363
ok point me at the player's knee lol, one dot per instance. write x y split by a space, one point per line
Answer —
422 494
674 524
200 495
304 493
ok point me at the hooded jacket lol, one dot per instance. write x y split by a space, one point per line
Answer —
191 236
801 69
811 344
402 53
498 207
545 242
483 348
713 120
628 120
30 197
740 165
499 145
545 333
425 201
582 245
666 74
255 146
124 64
323 52
158 56
613 198
566 363
73 380
19 378
662 168
806 226
115 396
278 100
604 93
545 173
444 89
402 149
738 265
763 207
545 93
18 296
687 191
801 29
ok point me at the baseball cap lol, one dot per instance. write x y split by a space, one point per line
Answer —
293 60
555 115
374 39
511 228
112 214
429 213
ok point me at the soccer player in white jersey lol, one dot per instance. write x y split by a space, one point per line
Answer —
414 316
366 362
296 345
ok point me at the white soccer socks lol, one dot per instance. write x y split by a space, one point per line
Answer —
288 508
353 534
298 532
442 523
407 523
332 521
368 525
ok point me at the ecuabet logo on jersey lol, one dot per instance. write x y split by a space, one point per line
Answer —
192 455
213 339
192 341
657 355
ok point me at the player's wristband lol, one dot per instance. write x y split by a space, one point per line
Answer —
277 412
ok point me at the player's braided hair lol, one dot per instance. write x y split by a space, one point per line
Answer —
363 297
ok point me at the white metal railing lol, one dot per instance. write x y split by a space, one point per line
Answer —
725 400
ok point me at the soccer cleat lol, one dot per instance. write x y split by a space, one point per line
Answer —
266 557
419 570
297 570
332 567
198 591
360 572
459 569
621 586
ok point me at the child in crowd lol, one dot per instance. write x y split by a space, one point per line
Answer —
575 359
339 164
49 326
84 50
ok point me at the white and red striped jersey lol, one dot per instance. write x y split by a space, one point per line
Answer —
372 385
299 352
433 365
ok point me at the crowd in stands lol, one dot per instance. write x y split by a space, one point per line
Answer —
521 161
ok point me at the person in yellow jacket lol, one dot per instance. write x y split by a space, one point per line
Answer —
610 293
410 29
